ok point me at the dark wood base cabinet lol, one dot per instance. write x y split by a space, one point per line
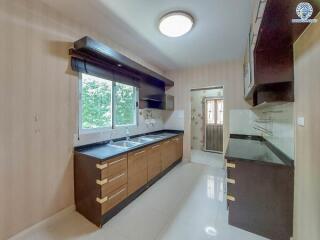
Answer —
103 188
260 198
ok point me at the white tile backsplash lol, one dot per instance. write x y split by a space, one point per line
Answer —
149 120
282 126
174 120
242 121
278 120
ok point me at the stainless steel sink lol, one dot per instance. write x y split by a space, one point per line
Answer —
142 139
125 144
167 135
155 137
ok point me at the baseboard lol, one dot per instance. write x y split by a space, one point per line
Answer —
44 223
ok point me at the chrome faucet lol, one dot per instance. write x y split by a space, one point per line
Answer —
127 134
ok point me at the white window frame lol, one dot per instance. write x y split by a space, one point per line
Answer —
113 125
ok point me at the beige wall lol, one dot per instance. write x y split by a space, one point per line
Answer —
307 172
38 105
227 74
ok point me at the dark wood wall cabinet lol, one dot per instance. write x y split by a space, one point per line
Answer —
271 49
103 188
95 58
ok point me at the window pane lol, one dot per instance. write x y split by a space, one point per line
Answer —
210 112
96 102
125 104
220 112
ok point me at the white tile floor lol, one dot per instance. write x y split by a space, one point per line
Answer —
187 203
208 158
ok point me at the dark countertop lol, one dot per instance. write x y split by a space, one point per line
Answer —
102 151
255 148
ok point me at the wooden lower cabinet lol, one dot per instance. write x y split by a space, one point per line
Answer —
154 160
99 185
165 154
260 198
178 147
137 169
103 188
113 198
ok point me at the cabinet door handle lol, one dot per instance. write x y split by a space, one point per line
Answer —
230 165
117 177
116 194
117 161
138 153
231 198
103 200
230 180
155 146
102 166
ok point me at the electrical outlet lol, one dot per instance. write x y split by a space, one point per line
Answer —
300 121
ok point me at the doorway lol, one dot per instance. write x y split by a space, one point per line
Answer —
207 125
213 124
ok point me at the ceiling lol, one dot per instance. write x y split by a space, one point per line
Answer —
220 31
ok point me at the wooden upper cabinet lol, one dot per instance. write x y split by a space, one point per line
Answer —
271 49
274 66
154 160
137 169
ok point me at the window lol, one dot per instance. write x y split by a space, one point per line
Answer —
106 104
125 105
214 109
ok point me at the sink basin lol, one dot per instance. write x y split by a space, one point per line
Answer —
167 135
156 137
124 144
142 139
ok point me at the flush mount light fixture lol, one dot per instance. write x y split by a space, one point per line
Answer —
176 24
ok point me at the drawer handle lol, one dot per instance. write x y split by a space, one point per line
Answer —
230 165
116 194
138 153
102 182
102 166
166 142
117 177
103 200
155 146
231 198
230 180
115 162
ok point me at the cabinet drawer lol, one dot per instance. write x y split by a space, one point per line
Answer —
113 167
137 181
112 183
112 199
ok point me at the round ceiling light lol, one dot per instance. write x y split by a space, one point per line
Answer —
176 24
